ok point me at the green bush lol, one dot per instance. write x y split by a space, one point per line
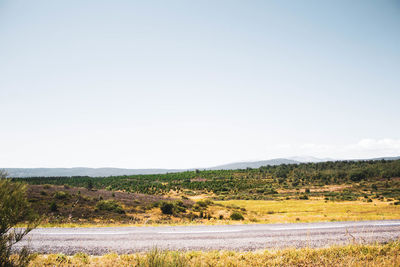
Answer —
167 208
60 195
202 203
14 209
53 206
109 205
237 216
179 206
172 207
89 185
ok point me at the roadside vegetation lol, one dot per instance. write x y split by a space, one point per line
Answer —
353 179
82 207
331 191
351 255
328 191
14 209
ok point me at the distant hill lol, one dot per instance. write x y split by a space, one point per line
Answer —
104 172
80 171
305 159
386 158
254 164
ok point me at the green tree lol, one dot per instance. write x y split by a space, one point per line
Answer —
14 209
89 185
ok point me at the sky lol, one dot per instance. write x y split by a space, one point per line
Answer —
182 84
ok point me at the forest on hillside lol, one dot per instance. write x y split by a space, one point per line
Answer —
266 182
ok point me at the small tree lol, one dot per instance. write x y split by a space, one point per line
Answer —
89 185
14 209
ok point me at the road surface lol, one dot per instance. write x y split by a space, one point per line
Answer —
98 241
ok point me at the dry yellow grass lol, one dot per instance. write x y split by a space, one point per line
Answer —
351 255
289 211
266 211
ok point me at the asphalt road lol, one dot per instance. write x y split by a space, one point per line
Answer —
97 241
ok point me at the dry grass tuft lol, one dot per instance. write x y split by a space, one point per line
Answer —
352 255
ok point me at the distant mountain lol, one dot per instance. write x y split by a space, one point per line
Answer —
386 158
93 172
305 159
104 172
254 164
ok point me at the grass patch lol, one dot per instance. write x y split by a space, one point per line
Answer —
351 255
109 205
290 211
79 206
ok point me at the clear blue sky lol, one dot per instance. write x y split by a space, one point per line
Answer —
179 84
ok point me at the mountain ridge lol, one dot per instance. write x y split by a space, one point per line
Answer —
109 171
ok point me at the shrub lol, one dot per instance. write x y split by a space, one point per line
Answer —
60 195
357 176
53 206
109 205
202 203
237 216
89 185
14 209
167 208
304 197
179 206
208 202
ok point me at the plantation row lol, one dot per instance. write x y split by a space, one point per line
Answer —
260 183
